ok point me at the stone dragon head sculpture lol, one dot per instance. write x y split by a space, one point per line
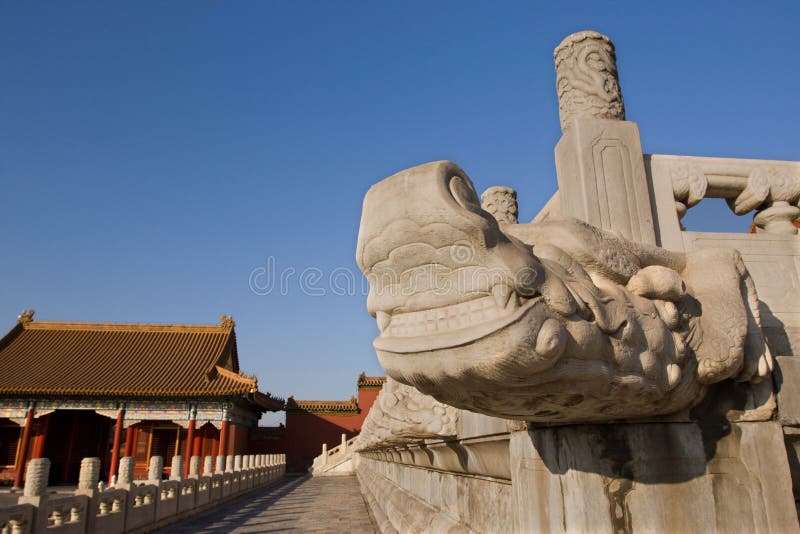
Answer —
402 415
555 321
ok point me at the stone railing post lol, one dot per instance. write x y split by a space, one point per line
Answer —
176 471
229 463
125 476
343 446
219 465
35 491
501 202
155 470
237 462
208 466
324 454
599 160
194 467
88 477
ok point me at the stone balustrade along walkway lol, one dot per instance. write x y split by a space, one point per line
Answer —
304 504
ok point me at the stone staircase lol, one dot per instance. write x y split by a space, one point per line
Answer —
338 461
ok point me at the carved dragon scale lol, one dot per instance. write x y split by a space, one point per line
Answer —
555 321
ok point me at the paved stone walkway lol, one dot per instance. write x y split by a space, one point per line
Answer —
307 504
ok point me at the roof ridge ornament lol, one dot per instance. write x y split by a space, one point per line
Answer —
226 321
26 316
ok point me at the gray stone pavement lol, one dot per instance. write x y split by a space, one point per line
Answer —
306 504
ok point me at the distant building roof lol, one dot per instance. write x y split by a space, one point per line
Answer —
125 360
365 381
322 406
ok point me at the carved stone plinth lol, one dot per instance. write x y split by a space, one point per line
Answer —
601 178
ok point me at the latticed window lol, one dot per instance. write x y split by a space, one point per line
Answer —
164 442
9 441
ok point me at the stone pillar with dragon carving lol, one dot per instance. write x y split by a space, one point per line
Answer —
599 160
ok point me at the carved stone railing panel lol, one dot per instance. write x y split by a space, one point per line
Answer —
187 495
109 508
335 460
17 519
142 505
771 189
168 498
67 514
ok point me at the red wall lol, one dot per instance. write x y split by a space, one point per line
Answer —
306 432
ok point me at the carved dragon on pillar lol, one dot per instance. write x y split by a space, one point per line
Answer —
555 321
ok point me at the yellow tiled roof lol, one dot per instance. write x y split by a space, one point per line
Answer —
112 359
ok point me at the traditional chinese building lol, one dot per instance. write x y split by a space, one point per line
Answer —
75 390
310 423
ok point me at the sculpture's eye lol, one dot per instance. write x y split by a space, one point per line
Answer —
595 61
464 193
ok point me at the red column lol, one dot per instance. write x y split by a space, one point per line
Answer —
197 446
189 447
22 457
215 443
130 440
38 450
112 469
223 440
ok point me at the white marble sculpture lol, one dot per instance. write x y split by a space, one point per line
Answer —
402 415
586 78
556 321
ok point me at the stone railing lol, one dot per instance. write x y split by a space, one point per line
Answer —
133 506
331 461
771 189
67 514
17 519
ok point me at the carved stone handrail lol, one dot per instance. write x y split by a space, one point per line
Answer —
19 518
65 511
770 188
130 506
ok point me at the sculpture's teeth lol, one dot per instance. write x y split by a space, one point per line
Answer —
505 297
383 320
447 318
673 375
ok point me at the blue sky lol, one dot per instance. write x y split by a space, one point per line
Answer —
154 154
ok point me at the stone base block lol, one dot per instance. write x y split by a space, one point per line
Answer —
671 477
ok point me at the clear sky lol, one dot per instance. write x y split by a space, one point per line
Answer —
155 155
